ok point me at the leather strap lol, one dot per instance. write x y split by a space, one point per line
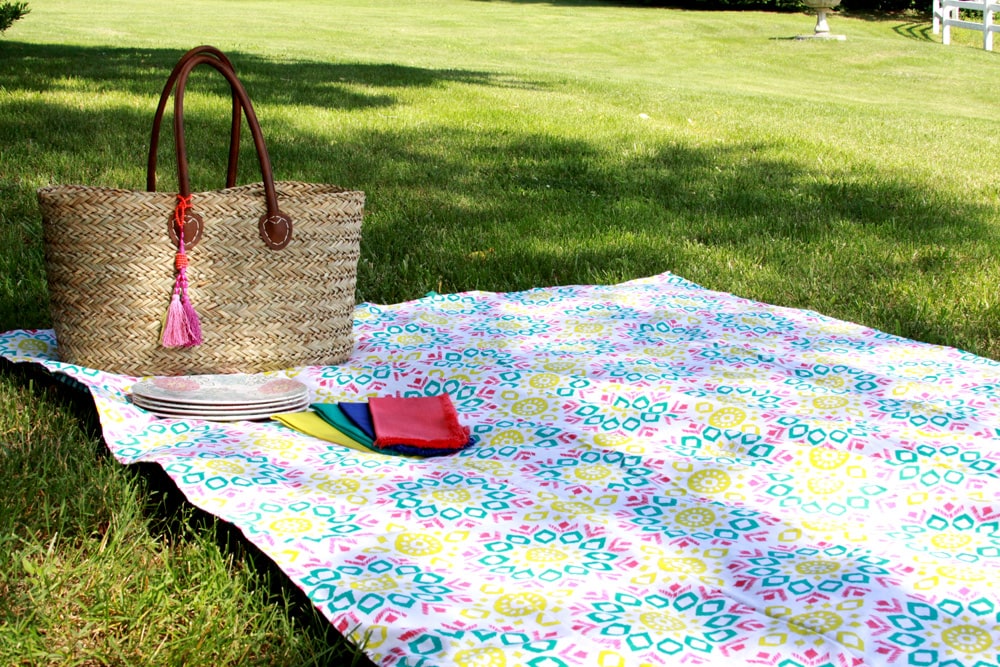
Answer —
234 138
275 227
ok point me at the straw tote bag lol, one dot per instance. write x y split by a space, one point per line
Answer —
244 279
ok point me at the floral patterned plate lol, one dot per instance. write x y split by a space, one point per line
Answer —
219 391
224 414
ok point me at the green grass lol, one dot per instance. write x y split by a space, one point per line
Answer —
502 145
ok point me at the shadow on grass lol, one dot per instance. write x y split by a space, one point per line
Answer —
173 519
50 68
455 205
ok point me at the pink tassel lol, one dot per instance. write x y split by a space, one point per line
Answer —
176 330
181 328
194 324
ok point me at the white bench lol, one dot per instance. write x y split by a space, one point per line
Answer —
946 16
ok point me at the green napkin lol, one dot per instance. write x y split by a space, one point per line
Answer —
332 415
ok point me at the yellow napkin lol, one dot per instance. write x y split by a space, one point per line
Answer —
312 424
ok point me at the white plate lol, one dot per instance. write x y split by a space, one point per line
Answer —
234 415
219 390
153 404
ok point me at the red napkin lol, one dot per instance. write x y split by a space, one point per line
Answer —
429 422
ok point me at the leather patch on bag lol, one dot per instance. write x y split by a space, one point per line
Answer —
194 229
275 230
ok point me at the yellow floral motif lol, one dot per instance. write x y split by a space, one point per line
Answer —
559 366
291 525
544 380
410 339
824 525
336 487
727 417
951 540
496 344
592 473
829 402
824 458
739 375
662 621
509 437
589 328
968 639
816 621
709 480
418 544
224 466
612 440
32 345
830 382
823 486
529 407
817 567
520 604
683 565
545 555
431 318
274 444
695 517
487 465
481 657
452 496
383 583
836 327
572 507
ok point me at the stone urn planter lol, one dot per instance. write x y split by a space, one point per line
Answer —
822 7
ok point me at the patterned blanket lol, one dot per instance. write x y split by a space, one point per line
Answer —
664 475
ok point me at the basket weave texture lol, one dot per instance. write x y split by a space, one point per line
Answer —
109 261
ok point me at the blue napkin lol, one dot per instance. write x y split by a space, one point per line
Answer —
360 415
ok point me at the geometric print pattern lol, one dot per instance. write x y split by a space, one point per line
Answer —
662 475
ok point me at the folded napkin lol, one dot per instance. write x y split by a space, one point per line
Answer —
360 416
429 423
312 424
336 418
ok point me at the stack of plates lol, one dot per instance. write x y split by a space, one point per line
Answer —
220 397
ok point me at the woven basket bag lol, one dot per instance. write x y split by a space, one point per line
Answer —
269 268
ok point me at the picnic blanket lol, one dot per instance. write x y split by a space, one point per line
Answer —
663 475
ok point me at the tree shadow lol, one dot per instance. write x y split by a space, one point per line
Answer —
454 207
172 519
50 68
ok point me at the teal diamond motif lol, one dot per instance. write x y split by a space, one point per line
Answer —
924 612
951 607
547 661
670 647
923 657
906 639
981 607
710 607
425 645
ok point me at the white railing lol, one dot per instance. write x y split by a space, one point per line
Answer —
946 16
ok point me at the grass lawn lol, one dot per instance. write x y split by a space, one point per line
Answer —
502 145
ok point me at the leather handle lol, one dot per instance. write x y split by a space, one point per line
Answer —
275 227
234 137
